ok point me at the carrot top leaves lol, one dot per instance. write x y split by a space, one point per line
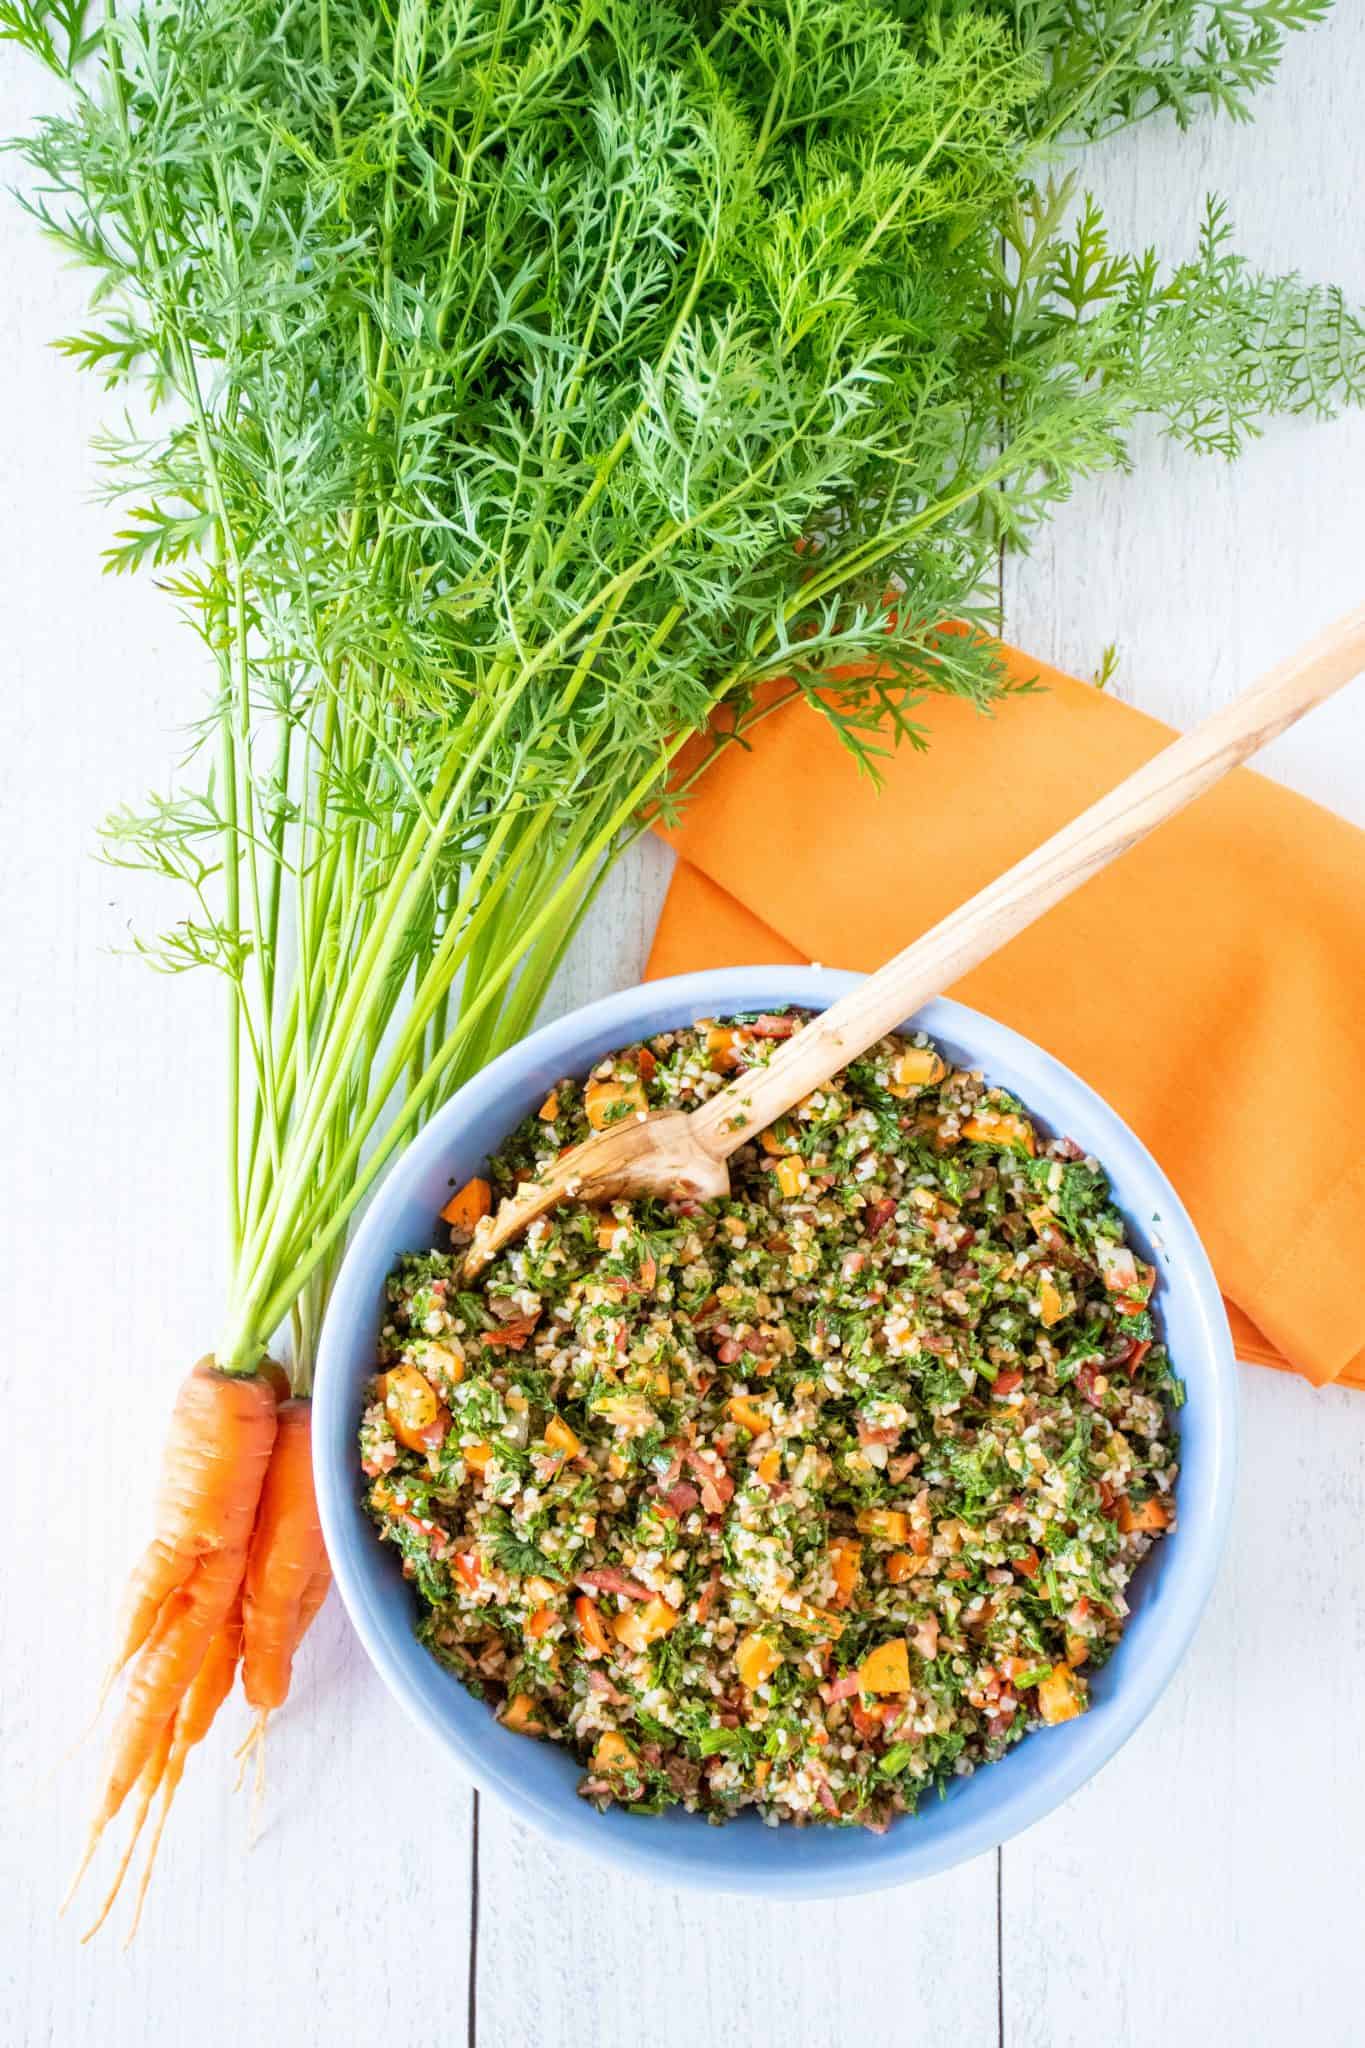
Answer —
541 378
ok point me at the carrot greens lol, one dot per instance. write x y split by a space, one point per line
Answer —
517 390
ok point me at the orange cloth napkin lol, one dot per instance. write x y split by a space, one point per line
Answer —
1210 984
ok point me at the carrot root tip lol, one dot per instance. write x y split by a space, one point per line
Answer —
143 1808
255 1827
92 1842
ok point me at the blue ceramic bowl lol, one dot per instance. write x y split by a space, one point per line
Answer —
537 1780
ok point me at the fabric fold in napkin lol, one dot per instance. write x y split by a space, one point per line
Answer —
1210 984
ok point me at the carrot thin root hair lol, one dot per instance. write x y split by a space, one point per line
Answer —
147 1789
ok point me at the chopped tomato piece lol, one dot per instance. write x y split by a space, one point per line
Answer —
869 1721
510 1336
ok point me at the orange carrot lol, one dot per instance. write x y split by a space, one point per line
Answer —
287 1573
468 1204
211 1686
196 1716
152 1774
182 1591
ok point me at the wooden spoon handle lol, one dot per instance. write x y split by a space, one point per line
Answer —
979 927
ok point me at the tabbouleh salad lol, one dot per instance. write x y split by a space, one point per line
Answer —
807 1500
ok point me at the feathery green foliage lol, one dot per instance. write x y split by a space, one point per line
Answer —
521 384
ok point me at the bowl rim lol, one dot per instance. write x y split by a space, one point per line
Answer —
896 1858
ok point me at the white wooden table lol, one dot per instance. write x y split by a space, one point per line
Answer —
1204 1889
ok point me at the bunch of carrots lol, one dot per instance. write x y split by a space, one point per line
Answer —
515 388
234 1574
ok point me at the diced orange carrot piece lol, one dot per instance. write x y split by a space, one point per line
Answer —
549 1108
440 1358
1051 1303
722 1046
612 1753
818 1620
1077 1650
790 1174
1059 1696
887 1668
478 1457
468 1204
846 1556
591 1626
543 1618
869 1721
770 1466
412 1409
640 1626
891 1524
559 1437
744 1410
520 1715
919 1066
902 1565
1000 1127
612 1102
1147 1514
755 1660
761 1770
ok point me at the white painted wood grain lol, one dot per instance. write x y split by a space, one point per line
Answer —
110 1274
1206 1887
1230 1909
599 1962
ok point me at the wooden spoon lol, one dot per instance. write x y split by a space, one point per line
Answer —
674 1152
